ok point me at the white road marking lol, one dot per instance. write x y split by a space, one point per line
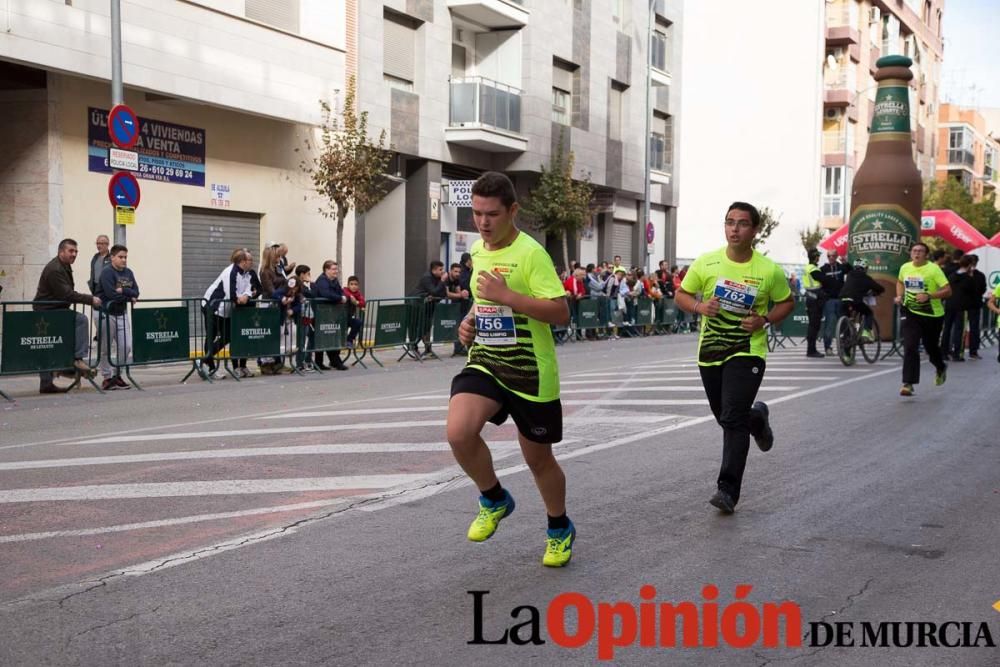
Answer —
222 487
619 402
243 452
627 384
340 413
626 389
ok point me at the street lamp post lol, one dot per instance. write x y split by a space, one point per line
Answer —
847 121
649 85
117 94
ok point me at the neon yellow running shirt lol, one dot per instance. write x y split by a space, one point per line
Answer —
516 350
742 288
925 279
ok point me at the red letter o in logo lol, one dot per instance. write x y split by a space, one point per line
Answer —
555 619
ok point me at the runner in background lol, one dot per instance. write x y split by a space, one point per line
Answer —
919 289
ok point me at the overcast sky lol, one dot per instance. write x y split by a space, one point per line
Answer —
970 74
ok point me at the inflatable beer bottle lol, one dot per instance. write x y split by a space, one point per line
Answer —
887 190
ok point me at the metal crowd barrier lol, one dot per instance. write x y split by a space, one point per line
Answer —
152 332
46 341
251 330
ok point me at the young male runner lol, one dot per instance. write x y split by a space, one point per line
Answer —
736 284
512 368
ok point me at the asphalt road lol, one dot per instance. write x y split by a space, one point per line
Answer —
321 520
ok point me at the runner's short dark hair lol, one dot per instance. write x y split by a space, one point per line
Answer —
67 242
117 248
495 184
748 208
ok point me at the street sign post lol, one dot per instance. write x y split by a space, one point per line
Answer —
123 126
123 190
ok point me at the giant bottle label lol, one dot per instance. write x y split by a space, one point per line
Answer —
882 234
892 111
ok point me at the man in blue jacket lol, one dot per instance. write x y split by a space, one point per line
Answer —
117 288
328 287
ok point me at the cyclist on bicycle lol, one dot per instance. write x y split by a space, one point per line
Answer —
858 288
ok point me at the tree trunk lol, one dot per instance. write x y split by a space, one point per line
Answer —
341 215
565 245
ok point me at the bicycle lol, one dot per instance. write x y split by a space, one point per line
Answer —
851 335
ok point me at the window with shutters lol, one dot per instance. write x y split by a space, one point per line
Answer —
562 92
660 46
283 14
399 47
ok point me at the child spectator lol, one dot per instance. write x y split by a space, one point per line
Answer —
355 309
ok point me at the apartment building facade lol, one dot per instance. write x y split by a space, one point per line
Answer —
967 151
856 34
225 91
466 86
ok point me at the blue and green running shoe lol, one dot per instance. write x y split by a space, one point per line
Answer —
558 546
490 514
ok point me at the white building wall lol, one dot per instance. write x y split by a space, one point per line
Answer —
752 107
202 51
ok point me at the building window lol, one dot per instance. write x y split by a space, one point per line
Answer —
833 192
661 143
615 96
399 50
960 147
660 47
283 14
562 92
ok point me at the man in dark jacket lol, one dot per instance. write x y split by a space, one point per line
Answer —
56 284
835 270
431 288
975 310
117 288
328 287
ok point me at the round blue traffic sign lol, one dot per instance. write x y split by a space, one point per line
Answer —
123 126
123 190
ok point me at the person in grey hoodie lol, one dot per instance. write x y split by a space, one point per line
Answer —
117 288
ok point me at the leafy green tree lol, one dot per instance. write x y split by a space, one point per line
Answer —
348 167
811 237
768 223
951 194
559 205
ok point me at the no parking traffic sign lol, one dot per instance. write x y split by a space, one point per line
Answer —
123 126
123 190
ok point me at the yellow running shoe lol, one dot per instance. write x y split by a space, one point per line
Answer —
558 546
490 514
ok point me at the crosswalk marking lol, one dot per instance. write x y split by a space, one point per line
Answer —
242 452
223 487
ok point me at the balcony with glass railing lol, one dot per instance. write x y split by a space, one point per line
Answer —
485 114
961 156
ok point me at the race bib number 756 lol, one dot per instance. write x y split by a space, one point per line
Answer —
495 325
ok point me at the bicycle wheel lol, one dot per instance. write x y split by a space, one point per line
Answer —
871 349
845 340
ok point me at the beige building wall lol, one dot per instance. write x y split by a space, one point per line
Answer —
972 156
857 34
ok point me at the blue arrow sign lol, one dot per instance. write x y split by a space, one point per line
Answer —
123 190
123 126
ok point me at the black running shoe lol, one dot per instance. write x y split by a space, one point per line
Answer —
723 501
760 423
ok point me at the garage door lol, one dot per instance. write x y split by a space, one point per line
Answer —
208 239
621 241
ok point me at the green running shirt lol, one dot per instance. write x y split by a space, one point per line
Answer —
925 279
996 295
516 350
741 288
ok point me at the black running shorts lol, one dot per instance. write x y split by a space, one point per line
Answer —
539 422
